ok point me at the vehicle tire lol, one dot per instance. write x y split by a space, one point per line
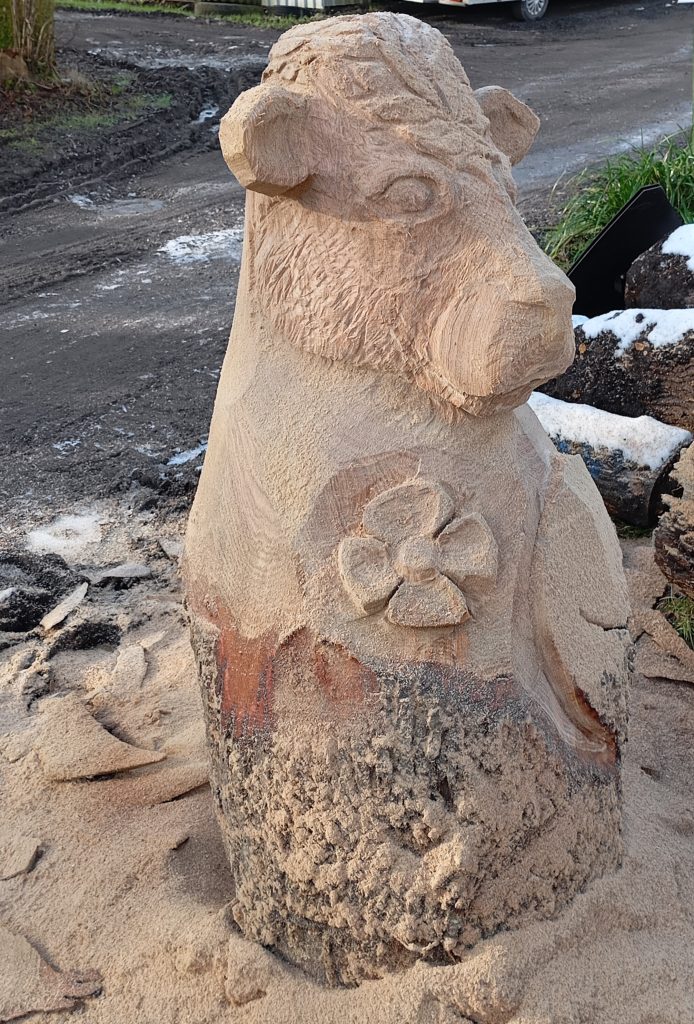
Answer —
530 10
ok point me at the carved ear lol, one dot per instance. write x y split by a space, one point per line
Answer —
261 139
513 125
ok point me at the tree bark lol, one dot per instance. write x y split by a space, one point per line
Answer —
631 486
635 379
674 537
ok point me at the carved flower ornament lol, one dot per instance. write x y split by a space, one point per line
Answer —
414 556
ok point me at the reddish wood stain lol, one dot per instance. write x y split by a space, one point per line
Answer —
244 681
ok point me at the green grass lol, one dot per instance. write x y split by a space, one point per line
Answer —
680 612
254 17
598 195
629 532
33 137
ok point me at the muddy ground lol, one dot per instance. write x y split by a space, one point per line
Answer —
121 229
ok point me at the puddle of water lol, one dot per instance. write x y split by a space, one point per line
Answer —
191 61
129 207
206 114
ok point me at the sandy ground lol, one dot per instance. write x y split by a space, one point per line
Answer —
114 889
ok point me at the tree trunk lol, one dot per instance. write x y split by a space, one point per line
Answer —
629 459
674 538
634 367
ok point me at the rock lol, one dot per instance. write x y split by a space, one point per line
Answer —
634 362
30 585
123 575
663 276
29 984
72 744
67 605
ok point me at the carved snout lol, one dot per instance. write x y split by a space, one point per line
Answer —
500 339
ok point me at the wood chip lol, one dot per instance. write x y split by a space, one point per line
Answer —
125 571
18 855
68 604
73 745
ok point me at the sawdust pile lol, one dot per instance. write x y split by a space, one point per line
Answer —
115 896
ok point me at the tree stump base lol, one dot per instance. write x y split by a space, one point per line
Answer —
405 828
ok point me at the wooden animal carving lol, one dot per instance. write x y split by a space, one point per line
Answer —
408 609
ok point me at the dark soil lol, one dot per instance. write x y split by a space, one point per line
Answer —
30 585
106 118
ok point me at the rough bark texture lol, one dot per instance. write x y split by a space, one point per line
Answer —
408 609
645 379
674 537
659 280
629 460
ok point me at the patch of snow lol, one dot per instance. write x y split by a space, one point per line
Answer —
82 201
641 439
193 453
215 245
207 113
67 536
6 594
64 446
681 243
577 319
658 326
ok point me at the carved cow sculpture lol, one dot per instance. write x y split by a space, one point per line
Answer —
408 609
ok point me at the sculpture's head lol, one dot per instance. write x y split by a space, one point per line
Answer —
384 232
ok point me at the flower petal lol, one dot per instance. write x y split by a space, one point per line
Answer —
366 572
468 548
436 602
411 509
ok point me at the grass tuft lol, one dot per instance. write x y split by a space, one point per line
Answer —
598 195
679 611
254 17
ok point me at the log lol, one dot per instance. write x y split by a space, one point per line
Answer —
409 622
629 459
674 537
634 362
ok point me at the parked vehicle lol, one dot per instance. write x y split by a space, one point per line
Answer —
524 10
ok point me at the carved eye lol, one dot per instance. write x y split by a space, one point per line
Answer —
406 196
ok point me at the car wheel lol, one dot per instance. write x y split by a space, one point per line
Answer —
530 10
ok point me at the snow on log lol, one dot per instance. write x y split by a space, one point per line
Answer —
633 362
674 536
628 458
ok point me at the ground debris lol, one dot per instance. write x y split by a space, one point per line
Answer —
73 745
18 855
28 984
123 575
30 585
67 605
